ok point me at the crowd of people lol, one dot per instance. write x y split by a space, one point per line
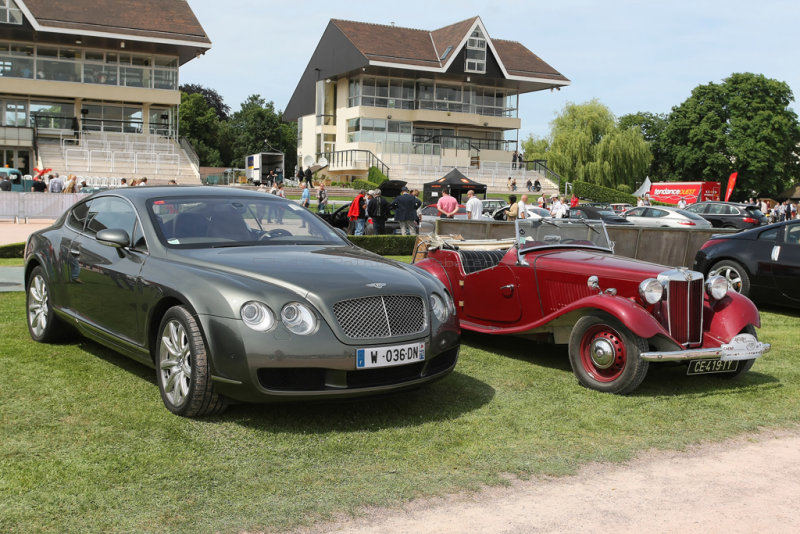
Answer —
54 183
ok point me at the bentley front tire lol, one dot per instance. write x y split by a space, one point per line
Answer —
182 369
43 324
604 355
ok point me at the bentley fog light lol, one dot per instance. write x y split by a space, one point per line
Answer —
651 290
717 287
439 308
298 318
257 316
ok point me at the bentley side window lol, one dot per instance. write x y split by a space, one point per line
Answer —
77 216
110 212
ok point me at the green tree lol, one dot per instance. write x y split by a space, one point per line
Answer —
743 124
535 148
652 126
257 127
586 144
200 125
213 98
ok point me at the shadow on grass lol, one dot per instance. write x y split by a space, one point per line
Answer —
445 399
662 378
537 353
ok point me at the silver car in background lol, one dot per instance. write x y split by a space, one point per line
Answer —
665 217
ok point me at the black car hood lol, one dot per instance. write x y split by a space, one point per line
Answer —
330 272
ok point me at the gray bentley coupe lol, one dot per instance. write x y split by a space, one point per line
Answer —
236 295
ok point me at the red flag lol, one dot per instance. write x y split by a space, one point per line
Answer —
731 183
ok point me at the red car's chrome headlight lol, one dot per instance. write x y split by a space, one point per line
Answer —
717 287
651 290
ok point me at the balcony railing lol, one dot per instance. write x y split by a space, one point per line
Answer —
354 159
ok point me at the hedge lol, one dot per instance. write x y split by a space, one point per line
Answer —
361 184
598 193
14 250
385 245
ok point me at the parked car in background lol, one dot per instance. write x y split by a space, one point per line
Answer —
338 219
619 208
762 263
490 205
729 214
665 217
532 210
232 294
557 280
430 213
584 211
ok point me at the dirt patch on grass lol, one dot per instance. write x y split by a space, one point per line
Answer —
747 484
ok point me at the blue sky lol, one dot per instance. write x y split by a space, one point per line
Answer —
631 55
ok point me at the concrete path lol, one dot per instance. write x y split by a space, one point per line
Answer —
11 279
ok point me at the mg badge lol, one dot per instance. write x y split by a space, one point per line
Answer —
376 285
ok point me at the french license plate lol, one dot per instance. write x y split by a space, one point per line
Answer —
390 356
705 367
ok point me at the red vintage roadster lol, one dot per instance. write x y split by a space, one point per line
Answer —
558 279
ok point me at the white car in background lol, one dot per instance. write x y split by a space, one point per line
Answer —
665 217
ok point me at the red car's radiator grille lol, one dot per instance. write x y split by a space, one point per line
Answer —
685 305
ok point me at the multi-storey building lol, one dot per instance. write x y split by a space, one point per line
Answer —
402 98
92 87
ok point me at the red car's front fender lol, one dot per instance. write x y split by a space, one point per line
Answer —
727 317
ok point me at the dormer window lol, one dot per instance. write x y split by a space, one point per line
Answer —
10 12
476 53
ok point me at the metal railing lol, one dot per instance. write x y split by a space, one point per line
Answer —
540 166
24 206
354 159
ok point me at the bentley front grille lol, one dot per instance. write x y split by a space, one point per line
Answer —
381 316
684 290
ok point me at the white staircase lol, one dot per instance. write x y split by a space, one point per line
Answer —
108 157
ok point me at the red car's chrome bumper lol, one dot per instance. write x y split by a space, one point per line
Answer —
741 347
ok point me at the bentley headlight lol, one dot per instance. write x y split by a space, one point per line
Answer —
451 305
298 318
717 287
257 316
439 308
651 290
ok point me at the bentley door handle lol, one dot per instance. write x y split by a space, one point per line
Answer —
509 286
776 252
75 251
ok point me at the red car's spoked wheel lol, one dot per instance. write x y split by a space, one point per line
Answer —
603 353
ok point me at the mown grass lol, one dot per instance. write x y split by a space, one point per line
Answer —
88 446
11 262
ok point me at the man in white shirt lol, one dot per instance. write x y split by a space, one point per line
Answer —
474 206
522 211
682 204
556 209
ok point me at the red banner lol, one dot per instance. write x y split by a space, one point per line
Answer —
691 192
731 184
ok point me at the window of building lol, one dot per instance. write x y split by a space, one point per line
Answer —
378 130
15 113
476 53
72 64
10 12
55 115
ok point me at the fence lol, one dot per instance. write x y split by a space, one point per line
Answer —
26 206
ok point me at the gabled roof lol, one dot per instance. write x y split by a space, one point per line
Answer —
347 46
395 46
166 21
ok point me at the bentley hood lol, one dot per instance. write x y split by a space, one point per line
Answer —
335 272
